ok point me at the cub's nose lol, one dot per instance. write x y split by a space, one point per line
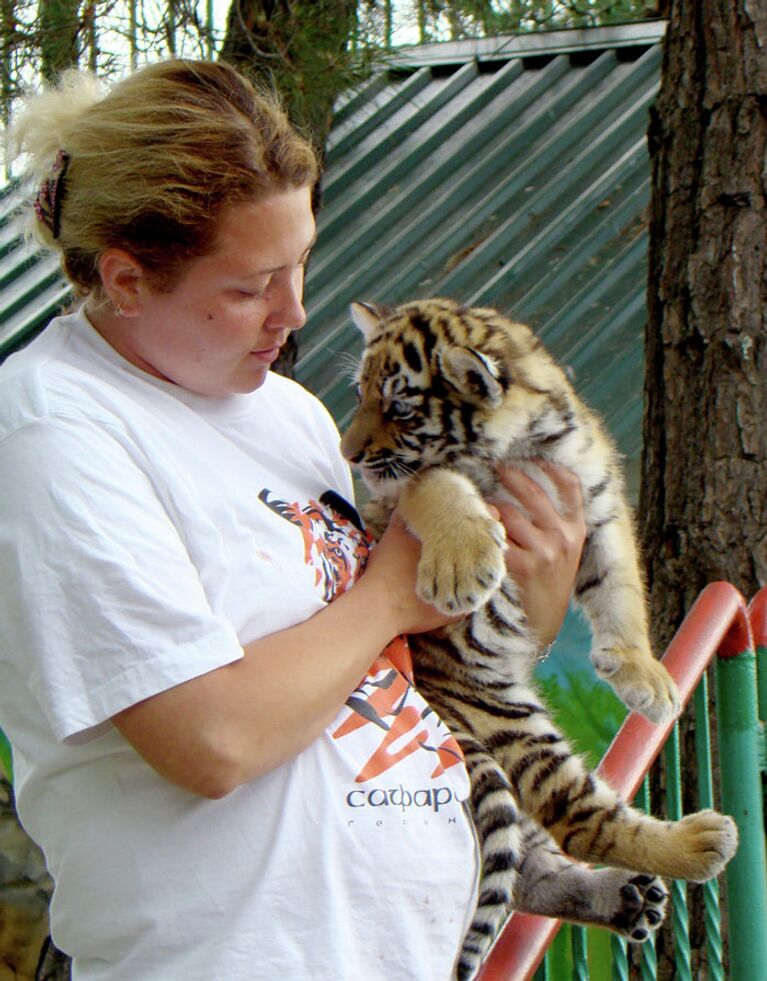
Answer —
353 453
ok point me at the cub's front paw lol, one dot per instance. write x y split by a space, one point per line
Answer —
642 683
458 575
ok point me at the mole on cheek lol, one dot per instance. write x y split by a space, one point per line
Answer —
210 316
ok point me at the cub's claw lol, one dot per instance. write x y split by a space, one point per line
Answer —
706 841
460 575
642 683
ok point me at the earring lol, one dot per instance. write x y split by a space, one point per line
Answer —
119 310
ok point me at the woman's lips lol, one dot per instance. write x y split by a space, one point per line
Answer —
268 355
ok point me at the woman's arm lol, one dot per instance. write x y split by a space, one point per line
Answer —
217 731
232 724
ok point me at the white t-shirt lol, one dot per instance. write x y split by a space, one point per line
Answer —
146 534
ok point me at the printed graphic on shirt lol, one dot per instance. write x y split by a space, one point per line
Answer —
335 545
387 702
387 720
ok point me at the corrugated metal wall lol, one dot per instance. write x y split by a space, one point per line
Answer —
31 288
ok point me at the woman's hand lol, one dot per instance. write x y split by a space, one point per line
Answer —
544 545
392 573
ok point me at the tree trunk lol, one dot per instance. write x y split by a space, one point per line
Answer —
703 509
298 46
7 44
59 36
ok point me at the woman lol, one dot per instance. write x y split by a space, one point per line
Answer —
228 777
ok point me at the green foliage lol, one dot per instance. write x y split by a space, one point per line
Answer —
6 762
585 709
559 958
308 50
476 18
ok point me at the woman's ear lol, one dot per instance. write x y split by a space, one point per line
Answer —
122 278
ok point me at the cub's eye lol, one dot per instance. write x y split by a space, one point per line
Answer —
400 410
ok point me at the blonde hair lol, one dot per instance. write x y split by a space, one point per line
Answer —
150 165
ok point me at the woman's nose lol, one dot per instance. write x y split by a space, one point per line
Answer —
289 307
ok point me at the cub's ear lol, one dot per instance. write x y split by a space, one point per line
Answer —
367 317
474 374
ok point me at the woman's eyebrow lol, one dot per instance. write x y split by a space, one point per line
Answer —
268 272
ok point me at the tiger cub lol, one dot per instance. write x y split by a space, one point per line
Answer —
447 394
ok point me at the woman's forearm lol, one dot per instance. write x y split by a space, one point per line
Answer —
237 722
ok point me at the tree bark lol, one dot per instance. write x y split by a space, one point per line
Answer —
59 36
298 46
703 508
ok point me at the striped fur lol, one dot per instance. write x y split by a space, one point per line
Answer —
446 394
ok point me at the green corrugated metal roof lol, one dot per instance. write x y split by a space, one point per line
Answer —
507 171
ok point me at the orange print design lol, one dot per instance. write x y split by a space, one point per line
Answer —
333 546
387 708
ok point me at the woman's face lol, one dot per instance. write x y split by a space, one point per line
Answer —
223 324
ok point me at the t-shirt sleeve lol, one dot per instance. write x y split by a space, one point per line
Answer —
100 603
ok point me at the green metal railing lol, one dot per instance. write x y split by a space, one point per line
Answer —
721 632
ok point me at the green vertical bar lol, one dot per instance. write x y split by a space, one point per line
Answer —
648 965
620 959
642 798
761 679
739 735
712 908
580 954
559 963
679 913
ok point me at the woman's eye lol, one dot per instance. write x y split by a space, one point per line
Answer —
255 292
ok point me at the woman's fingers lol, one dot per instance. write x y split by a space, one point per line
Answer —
544 543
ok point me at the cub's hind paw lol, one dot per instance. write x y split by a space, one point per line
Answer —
642 683
461 574
643 908
704 843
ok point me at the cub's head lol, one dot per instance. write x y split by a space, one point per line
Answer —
433 377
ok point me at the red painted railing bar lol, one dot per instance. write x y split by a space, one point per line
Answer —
757 611
718 621
520 948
